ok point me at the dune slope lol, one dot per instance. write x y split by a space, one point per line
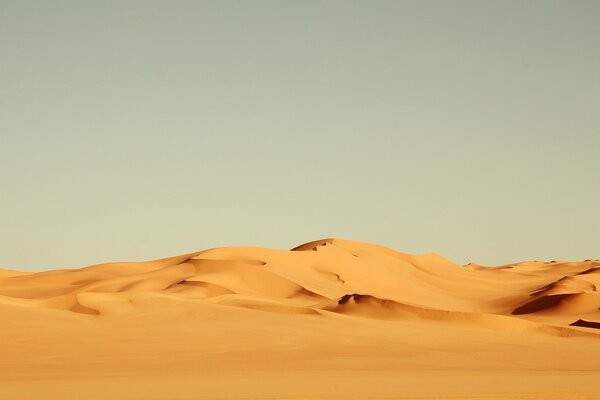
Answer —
362 318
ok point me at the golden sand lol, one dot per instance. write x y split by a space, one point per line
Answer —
332 319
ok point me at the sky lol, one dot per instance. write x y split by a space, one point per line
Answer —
136 130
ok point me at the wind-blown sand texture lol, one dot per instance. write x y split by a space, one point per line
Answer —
331 319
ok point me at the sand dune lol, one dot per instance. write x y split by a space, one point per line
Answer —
327 311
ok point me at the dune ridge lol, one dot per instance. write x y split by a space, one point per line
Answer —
323 276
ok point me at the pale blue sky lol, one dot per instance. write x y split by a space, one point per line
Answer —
133 130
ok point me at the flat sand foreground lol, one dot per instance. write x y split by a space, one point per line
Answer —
331 319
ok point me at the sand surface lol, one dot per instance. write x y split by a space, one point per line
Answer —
332 319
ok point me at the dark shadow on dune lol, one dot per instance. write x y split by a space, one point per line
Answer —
593 270
313 245
540 304
344 299
78 308
586 324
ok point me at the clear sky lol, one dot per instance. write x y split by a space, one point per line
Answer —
133 130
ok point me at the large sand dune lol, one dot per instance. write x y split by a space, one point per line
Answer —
329 319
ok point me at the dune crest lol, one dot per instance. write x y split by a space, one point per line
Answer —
316 275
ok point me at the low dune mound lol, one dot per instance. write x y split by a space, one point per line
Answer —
567 285
365 306
245 277
572 294
561 304
6 273
368 307
344 277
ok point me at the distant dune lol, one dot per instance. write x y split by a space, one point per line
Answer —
328 319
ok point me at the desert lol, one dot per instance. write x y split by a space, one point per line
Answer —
330 319
299 200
